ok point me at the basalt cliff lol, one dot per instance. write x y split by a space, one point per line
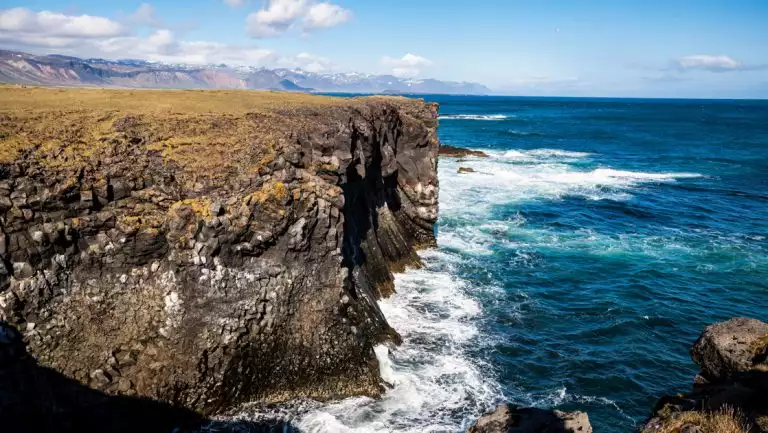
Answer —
206 249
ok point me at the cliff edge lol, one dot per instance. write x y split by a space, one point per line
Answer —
208 248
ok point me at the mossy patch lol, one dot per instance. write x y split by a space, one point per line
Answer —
201 207
726 420
270 191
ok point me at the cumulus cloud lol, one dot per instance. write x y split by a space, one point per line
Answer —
324 15
90 36
280 15
408 66
163 46
712 63
43 25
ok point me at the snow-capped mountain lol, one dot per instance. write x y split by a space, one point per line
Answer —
58 70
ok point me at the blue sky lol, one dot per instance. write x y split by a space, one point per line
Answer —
670 48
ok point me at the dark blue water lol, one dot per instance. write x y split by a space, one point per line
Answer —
617 230
576 266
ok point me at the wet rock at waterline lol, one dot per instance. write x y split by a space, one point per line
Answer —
229 250
462 170
459 152
509 419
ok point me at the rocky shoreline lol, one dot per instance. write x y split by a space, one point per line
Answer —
202 249
729 395
166 257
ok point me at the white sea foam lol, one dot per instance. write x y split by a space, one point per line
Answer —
433 378
475 117
437 383
519 175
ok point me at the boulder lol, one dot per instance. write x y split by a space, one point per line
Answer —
509 419
730 347
465 170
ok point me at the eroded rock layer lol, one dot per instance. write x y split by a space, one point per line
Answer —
210 248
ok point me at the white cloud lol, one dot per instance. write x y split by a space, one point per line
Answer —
307 62
45 24
720 63
24 29
145 15
324 15
408 66
708 63
280 15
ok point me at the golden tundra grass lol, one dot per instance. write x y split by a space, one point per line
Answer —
211 135
724 421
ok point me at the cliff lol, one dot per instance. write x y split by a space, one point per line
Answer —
210 248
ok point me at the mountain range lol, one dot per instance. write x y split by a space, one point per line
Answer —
57 70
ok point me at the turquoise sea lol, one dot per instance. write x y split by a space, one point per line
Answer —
577 264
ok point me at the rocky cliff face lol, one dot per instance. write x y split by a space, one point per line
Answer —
210 248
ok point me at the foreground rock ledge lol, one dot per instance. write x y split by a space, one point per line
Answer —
730 394
210 248
510 419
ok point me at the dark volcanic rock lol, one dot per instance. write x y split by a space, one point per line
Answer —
458 152
509 419
733 379
37 399
210 248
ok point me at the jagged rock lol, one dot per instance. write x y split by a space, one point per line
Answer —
730 347
459 152
733 377
231 249
509 419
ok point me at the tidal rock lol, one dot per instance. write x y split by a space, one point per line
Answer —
460 152
465 170
229 250
509 419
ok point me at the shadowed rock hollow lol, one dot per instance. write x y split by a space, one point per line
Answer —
210 248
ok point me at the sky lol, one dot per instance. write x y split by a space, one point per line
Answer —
641 48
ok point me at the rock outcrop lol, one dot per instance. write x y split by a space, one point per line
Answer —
510 419
731 388
460 152
206 249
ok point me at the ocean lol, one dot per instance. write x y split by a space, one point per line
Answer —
578 263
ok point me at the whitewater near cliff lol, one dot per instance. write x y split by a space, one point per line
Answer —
575 265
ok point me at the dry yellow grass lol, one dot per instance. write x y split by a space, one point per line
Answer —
724 421
213 136
148 101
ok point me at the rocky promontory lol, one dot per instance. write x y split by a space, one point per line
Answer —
206 249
